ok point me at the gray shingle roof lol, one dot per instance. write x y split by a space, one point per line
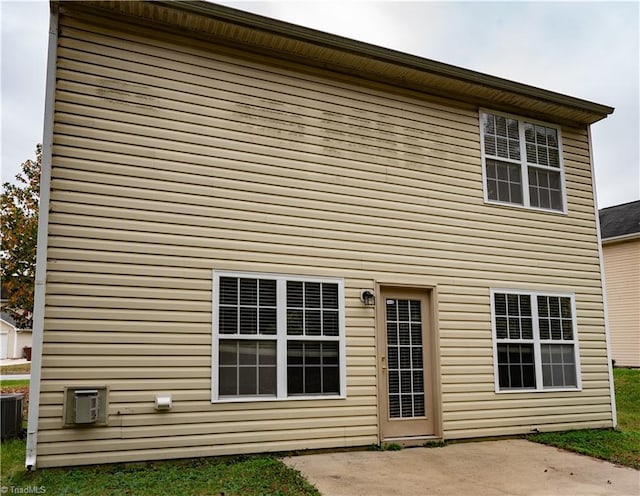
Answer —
7 318
620 220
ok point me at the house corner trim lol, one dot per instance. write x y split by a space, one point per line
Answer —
41 253
607 334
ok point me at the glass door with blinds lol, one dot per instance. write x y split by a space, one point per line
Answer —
406 392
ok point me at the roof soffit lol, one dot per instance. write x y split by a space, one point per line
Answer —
302 45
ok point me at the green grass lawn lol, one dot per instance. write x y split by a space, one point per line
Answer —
621 445
627 383
237 476
15 383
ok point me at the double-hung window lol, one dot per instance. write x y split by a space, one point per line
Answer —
277 337
522 162
535 341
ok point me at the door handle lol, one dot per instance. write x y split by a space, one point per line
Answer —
384 363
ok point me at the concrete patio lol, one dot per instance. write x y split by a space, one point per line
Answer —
488 468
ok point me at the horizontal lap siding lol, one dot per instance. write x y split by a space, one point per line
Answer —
622 273
172 160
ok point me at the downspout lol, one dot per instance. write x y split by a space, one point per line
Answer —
612 391
41 253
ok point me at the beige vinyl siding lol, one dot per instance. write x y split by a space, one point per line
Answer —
622 275
173 159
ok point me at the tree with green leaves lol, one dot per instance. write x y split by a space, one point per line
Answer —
19 231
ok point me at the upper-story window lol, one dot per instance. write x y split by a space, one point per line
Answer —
522 162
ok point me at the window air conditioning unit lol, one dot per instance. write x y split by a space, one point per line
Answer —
85 406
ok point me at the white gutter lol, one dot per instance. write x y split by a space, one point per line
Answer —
612 391
622 237
41 254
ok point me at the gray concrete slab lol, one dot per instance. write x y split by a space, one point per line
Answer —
488 468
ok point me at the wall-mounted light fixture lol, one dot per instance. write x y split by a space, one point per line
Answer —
367 297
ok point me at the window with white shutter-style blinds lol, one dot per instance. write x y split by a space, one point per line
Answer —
522 162
277 337
535 341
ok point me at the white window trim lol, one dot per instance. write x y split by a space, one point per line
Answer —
537 342
281 338
524 165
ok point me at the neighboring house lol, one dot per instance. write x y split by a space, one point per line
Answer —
260 237
13 339
620 234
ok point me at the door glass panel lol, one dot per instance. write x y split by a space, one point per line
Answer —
405 364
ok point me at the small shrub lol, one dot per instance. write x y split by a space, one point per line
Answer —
434 444
386 447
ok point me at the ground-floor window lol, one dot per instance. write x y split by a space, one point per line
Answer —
277 337
535 341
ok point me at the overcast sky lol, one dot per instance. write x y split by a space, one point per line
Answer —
589 50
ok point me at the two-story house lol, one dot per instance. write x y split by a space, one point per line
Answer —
260 237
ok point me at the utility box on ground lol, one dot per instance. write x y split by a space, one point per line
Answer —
11 408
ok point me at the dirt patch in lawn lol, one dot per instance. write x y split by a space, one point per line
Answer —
21 368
